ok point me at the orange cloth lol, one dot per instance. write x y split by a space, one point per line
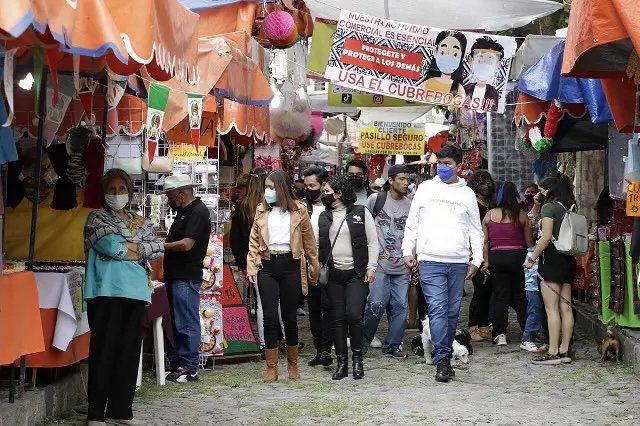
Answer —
51 357
20 324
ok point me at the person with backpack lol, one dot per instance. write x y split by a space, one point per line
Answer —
557 268
390 210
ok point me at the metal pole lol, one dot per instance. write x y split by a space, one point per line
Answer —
42 105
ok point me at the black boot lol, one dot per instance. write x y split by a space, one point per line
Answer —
358 365
442 372
452 372
316 360
321 358
340 342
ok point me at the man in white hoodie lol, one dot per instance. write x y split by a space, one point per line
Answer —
445 231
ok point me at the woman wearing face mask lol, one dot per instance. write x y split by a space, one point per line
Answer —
118 246
479 323
241 223
530 190
445 73
349 246
282 260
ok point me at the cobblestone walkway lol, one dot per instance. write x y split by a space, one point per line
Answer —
499 387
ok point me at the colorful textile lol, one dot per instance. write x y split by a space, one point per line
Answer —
618 274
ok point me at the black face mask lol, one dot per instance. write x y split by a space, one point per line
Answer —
486 190
529 198
300 192
173 206
356 181
541 198
328 200
312 195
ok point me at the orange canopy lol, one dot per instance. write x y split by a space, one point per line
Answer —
601 37
129 31
530 110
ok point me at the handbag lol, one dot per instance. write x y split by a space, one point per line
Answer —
323 278
131 165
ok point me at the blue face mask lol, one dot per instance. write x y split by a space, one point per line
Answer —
270 195
445 173
447 64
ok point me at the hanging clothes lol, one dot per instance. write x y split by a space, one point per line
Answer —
94 156
64 192
618 276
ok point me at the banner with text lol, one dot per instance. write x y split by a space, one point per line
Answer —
346 97
422 64
391 138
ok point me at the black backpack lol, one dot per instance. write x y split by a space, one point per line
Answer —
381 198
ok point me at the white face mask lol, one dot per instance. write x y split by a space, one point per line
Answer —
484 72
116 202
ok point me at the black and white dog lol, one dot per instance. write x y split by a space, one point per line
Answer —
460 351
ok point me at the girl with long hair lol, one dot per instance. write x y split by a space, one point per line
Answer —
506 237
483 185
557 270
348 245
282 260
239 239
445 74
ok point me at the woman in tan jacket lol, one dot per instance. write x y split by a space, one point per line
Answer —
282 260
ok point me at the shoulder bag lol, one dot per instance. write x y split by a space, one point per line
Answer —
323 278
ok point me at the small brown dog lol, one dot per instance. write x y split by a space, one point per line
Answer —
609 347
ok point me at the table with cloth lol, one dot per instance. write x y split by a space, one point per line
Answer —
20 324
63 313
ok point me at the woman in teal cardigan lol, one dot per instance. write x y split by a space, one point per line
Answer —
118 247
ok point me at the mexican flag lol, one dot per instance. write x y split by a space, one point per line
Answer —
158 98
194 106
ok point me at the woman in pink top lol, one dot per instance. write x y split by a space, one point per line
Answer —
507 235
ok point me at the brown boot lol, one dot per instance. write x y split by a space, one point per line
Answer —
292 362
271 355
475 334
486 333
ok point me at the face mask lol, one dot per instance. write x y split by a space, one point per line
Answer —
356 181
541 198
300 192
328 200
528 197
270 195
447 64
312 195
116 202
483 72
445 173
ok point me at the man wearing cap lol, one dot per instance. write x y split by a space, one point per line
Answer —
389 291
185 249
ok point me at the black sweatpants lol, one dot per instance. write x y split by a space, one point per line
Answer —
319 318
279 281
507 274
114 356
481 301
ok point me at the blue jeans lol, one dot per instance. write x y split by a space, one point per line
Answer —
184 297
442 284
387 290
534 316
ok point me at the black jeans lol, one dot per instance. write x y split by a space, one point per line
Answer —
319 318
347 295
279 281
481 301
422 305
507 274
114 355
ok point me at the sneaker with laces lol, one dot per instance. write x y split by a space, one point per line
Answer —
376 343
529 346
394 352
500 340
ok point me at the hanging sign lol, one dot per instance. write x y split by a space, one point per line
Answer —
87 87
158 97
115 92
194 106
56 111
182 134
346 97
391 138
422 64
633 199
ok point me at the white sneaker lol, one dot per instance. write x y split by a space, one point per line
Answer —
348 343
529 346
500 340
376 343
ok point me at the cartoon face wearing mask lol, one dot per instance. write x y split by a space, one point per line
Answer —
449 55
484 66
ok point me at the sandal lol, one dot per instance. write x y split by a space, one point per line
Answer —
565 357
547 359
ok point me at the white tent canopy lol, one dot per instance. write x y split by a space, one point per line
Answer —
489 15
